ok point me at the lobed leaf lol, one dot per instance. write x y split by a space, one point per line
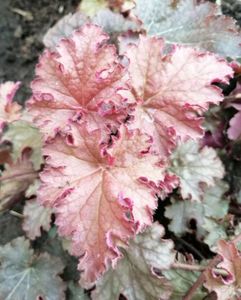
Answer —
36 217
25 276
213 207
82 80
97 197
173 90
194 166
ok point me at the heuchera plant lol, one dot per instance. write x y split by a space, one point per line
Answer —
109 129
121 117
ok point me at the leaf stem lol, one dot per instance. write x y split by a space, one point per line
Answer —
201 278
198 268
217 259
16 214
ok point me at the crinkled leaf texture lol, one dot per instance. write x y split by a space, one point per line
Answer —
172 90
134 275
9 110
36 217
226 287
101 177
195 167
82 80
186 22
100 194
26 276
213 207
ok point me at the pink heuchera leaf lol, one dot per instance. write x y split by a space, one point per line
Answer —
9 110
173 90
81 80
101 194
226 287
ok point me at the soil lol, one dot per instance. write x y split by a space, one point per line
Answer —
23 24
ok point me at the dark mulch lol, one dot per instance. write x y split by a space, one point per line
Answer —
22 26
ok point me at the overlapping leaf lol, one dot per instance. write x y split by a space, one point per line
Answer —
77 293
189 23
81 80
194 166
22 136
9 110
96 195
229 286
36 217
213 207
172 89
134 275
182 280
112 23
63 28
15 179
26 276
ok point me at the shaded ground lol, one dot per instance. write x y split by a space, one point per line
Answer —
22 26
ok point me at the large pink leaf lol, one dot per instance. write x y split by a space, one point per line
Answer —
9 110
100 193
172 90
82 79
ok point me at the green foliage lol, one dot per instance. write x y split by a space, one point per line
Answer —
24 275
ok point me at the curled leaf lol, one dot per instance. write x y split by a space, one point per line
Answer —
229 286
22 135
